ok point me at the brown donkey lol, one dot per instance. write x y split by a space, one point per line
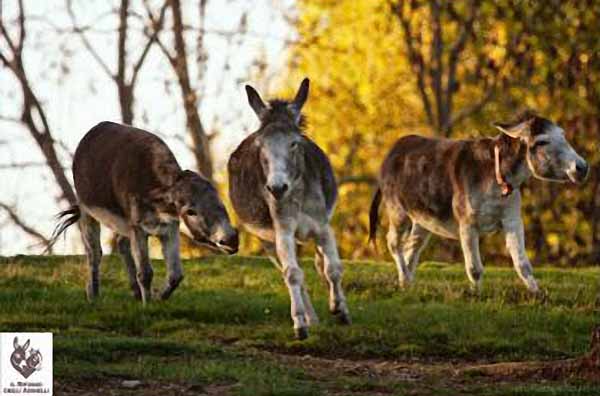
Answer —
460 189
129 180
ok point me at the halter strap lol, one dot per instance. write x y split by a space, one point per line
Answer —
505 187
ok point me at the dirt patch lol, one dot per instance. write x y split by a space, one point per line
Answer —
115 387
323 368
453 375
416 376
585 368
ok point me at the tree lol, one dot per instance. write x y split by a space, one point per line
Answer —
127 72
33 116
384 69
178 59
448 55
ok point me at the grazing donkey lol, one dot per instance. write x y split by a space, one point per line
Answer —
460 189
284 191
129 180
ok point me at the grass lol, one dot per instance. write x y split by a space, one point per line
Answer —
228 323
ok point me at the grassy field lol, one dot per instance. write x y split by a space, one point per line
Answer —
227 329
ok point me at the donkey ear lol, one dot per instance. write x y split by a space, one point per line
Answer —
520 130
301 95
16 343
255 101
26 345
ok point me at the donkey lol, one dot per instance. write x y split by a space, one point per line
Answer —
18 357
283 189
460 189
128 179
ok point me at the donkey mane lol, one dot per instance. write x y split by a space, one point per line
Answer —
279 111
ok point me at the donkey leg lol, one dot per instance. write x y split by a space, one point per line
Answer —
397 222
90 233
309 311
310 314
413 245
125 250
269 248
139 251
515 244
294 279
333 273
170 250
320 264
394 243
469 241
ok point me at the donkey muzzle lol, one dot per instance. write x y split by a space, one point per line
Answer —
277 190
229 243
579 171
582 169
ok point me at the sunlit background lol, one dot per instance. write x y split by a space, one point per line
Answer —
379 69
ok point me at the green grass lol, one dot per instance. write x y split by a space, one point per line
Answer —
229 320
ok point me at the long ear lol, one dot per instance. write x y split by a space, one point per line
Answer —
296 105
520 130
26 345
301 95
255 101
16 343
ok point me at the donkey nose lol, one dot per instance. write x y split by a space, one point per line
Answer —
277 190
232 241
582 168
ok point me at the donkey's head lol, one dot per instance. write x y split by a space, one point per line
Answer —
549 154
203 213
20 352
280 140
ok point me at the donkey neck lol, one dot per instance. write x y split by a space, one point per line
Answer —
513 159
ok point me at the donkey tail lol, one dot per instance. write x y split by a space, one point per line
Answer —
66 218
374 217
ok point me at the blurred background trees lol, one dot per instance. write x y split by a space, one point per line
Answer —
449 68
379 69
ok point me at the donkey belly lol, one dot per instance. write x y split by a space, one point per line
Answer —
444 228
306 228
108 218
264 233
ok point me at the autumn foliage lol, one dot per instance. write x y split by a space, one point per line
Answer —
383 69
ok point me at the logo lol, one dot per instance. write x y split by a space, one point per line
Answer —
25 363
25 360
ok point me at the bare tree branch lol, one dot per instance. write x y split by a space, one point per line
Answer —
86 43
436 70
179 64
156 28
415 57
33 109
19 222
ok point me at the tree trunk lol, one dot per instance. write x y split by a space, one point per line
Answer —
201 144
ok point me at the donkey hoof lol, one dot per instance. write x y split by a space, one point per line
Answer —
137 295
344 318
301 333
532 286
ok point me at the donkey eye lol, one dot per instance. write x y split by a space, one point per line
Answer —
191 212
293 145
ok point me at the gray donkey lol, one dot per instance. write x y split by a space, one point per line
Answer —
283 189
460 189
129 180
